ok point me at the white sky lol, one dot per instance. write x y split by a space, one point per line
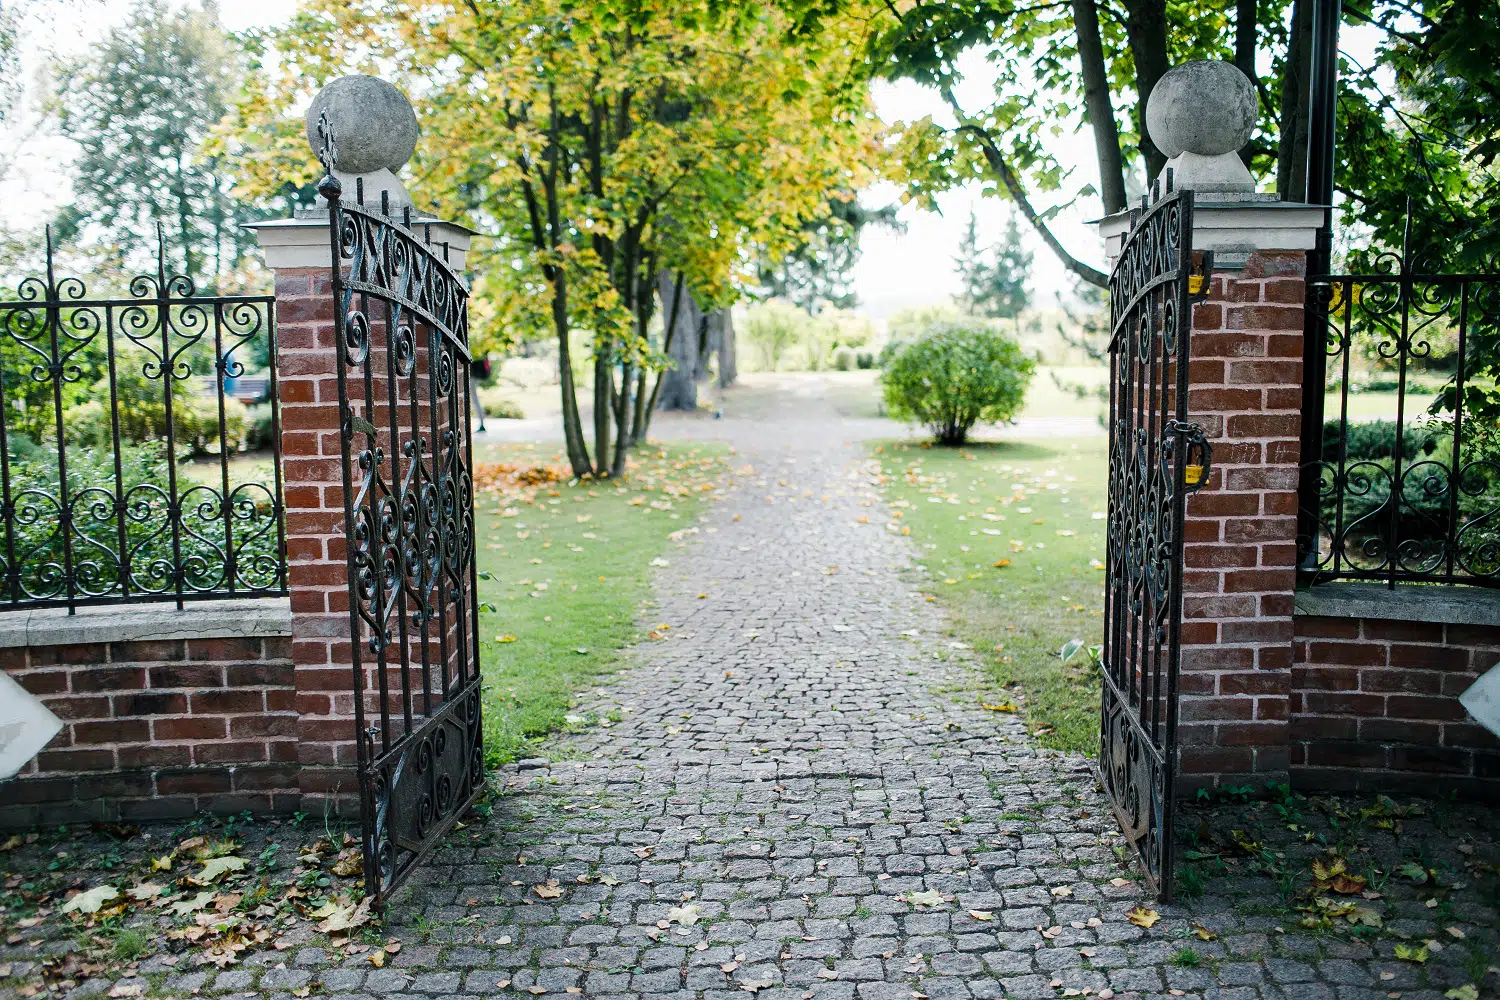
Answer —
894 272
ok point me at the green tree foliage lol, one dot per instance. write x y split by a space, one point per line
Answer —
141 105
819 271
954 375
772 329
605 143
1433 136
994 279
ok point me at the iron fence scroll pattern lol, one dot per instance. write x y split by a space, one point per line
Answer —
129 429
1156 458
401 327
1406 485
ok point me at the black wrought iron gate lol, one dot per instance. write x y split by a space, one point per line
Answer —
401 332
1156 457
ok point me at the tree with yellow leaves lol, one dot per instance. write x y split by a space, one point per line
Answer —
603 143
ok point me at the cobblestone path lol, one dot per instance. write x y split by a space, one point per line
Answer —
784 766
796 794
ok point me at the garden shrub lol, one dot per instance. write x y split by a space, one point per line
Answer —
260 432
195 422
844 358
145 486
497 405
772 329
1427 511
956 374
1376 439
864 360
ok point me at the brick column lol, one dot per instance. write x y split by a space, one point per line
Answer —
1240 548
316 569
307 358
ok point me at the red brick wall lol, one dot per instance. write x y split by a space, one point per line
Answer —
1375 707
316 552
1240 550
157 729
316 569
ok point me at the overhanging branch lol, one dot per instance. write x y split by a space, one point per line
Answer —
1007 174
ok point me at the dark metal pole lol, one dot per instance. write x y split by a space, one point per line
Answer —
1322 103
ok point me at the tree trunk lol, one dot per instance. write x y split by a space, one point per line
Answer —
669 329
708 343
622 420
578 452
1244 53
679 384
1291 159
604 384
1146 30
1100 107
729 369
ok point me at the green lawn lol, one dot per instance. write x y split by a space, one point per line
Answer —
569 570
1013 536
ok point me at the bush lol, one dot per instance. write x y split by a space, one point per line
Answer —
772 328
260 432
844 358
864 360
1377 439
95 498
195 423
497 405
954 375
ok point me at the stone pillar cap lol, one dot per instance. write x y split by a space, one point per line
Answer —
1200 115
1234 227
375 133
303 241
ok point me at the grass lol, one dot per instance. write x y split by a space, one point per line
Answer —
568 569
1364 406
1187 958
1010 536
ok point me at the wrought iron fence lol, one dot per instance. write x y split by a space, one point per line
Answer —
1405 486
140 450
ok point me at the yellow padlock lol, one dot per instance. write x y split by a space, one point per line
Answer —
1193 475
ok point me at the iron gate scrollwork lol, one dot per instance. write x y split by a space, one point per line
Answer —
401 333
1156 457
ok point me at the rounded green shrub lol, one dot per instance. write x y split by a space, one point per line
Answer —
497 404
955 374
844 358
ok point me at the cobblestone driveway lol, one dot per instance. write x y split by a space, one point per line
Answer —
753 797
789 761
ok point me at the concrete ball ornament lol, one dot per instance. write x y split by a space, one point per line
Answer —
374 126
1204 107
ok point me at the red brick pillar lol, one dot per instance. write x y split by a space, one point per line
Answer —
297 252
1240 553
317 572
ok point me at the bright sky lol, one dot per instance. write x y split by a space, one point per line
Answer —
895 271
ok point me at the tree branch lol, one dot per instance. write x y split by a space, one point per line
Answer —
1007 174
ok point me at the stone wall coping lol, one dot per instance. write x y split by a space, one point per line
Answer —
1445 605
240 618
303 241
1234 228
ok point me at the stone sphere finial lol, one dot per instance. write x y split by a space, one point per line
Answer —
373 124
1204 107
